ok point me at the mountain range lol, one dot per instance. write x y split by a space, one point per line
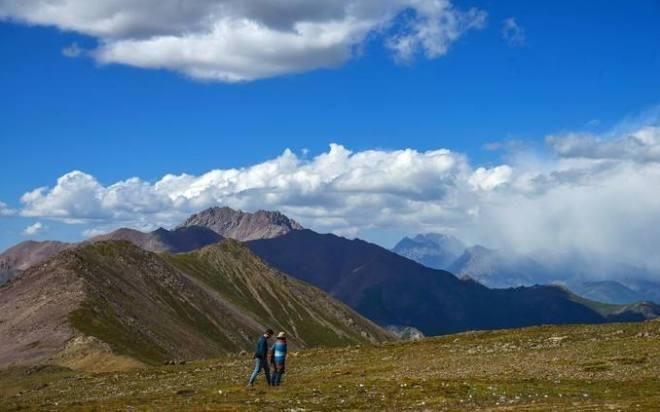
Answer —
132 298
182 239
108 304
505 269
393 290
499 270
434 250
199 230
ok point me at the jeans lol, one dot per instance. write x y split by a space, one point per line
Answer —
259 365
277 374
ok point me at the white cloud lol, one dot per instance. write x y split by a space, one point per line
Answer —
641 145
513 33
433 30
33 229
6 210
96 231
489 179
240 40
72 50
593 198
332 191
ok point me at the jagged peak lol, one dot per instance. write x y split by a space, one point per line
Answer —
243 226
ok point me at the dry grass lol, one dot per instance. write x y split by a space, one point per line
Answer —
580 368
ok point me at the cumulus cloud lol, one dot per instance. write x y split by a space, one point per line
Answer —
591 197
489 179
641 145
335 190
6 210
513 33
33 229
241 40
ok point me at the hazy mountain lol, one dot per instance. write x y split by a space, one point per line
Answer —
107 304
495 269
183 239
607 291
393 290
434 250
503 269
25 254
492 268
650 290
235 224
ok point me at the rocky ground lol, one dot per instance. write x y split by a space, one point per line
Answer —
579 368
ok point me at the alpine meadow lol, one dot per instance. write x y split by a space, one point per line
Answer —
329 205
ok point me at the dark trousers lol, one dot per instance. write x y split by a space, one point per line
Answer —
277 373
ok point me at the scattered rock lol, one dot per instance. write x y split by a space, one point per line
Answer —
557 339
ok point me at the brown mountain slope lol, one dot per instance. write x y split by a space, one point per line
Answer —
239 225
25 254
116 302
183 239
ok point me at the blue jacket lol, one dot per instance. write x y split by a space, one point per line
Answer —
261 350
279 351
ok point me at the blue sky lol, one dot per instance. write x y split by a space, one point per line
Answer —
581 67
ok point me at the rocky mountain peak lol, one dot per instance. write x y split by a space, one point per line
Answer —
435 250
243 226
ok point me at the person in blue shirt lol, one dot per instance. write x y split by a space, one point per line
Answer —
278 358
261 358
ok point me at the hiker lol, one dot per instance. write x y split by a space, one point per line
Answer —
278 356
261 358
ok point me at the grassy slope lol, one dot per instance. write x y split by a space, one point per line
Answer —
617 312
146 310
599 367
147 307
279 301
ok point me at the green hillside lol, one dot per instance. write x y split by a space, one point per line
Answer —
306 313
110 305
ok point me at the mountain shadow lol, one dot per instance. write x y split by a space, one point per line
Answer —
392 290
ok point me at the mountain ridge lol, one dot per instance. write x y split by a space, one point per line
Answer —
144 308
182 239
394 290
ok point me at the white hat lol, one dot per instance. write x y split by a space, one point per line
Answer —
281 335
